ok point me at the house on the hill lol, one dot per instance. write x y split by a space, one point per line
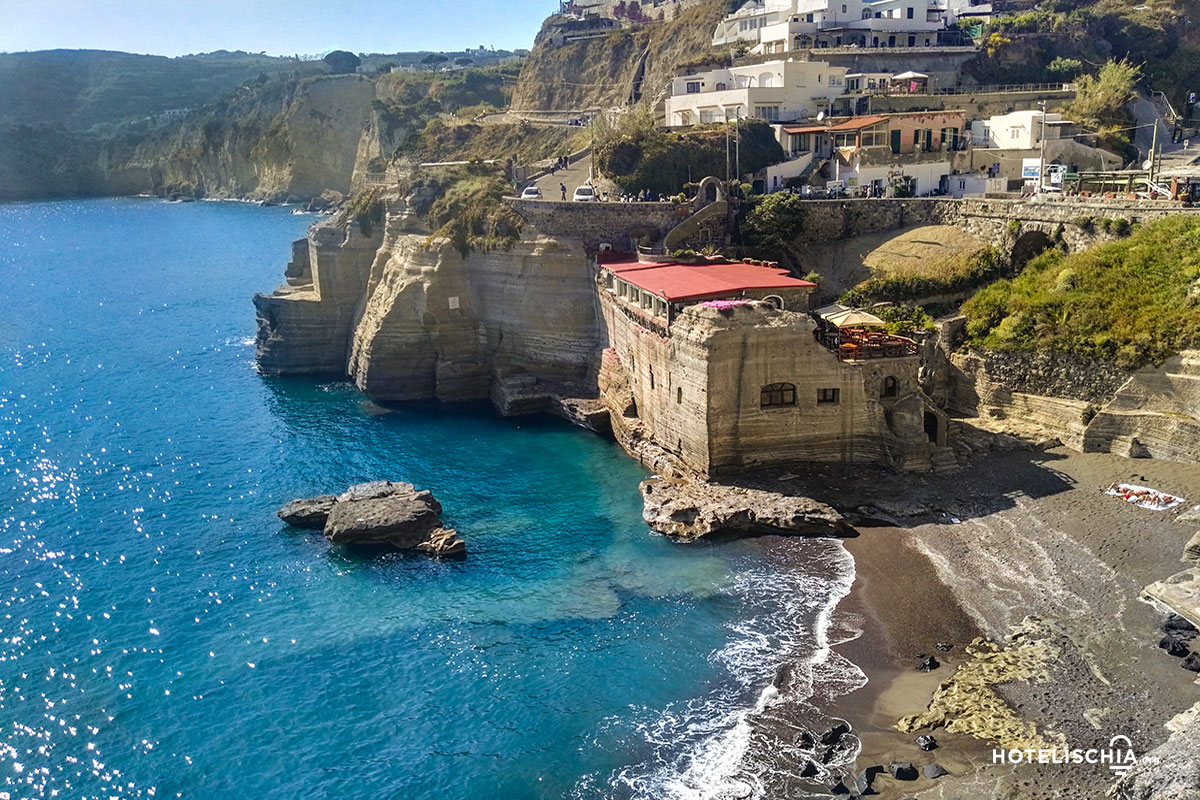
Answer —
776 91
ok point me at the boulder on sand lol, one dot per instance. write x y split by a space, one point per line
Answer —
379 514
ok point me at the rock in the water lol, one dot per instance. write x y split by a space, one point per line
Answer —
444 543
1174 646
927 743
835 734
934 771
903 771
310 513
1192 662
384 514
691 509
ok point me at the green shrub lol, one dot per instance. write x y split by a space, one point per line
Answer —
1125 301
983 267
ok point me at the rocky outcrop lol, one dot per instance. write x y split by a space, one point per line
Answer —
1170 771
1090 406
408 318
378 515
690 509
1192 551
309 513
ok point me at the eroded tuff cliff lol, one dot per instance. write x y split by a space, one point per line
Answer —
409 318
604 71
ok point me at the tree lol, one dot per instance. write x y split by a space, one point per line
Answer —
464 61
341 61
1100 98
434 60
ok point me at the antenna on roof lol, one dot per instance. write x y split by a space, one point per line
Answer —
820 116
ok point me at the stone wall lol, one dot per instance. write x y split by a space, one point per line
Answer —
618 224
976 106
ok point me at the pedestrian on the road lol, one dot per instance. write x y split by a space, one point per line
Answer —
1187 143
562 187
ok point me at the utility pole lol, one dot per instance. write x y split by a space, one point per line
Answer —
1154 150
1042 157
728 162
738 148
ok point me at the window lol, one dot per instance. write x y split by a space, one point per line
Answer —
845 140
801 142
843 9
778 395
891 387
875 137
910 13
722 87
867 14
829 396
693 87
769 113
808 18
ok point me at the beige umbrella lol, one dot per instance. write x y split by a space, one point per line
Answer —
854 318
831 311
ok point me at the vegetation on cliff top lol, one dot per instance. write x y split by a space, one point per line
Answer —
1059 38
463 204
1135 301
637 155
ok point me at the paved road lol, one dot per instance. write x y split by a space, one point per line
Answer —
577 174
1176 159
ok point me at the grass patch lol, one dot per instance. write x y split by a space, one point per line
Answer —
1133 302
969 272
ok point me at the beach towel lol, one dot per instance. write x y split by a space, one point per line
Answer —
1144 497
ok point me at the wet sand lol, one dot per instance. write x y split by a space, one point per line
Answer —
975 552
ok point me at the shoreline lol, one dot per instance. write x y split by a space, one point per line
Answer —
972 554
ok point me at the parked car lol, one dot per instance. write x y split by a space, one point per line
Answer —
531 193
584 194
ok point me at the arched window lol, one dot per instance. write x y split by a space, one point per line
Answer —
777 395
891 387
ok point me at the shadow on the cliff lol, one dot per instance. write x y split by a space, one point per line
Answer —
991 483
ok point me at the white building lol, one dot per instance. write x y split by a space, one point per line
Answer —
774 91
1020 130
784 26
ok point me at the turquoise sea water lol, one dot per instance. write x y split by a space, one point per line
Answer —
163 635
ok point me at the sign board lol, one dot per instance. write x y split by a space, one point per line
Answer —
1031 168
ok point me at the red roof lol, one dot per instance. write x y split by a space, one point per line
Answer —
858 123
805 129
673 281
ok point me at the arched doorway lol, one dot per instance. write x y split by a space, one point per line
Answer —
1029 246
891 387
935 429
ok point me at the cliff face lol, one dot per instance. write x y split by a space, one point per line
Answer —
419 320
283 138
603 71
299 141
1090 406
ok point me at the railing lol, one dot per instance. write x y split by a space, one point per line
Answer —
885 346
1008 88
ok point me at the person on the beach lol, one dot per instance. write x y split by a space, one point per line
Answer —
562 187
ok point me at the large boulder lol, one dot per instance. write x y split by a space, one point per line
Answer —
691 509
379 514
310 513
384 513
1192 551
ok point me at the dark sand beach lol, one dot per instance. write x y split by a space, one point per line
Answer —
1021 534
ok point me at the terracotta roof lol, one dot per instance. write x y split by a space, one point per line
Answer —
673 281
858 123
805 129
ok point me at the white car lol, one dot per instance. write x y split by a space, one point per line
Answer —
531 193
584 194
